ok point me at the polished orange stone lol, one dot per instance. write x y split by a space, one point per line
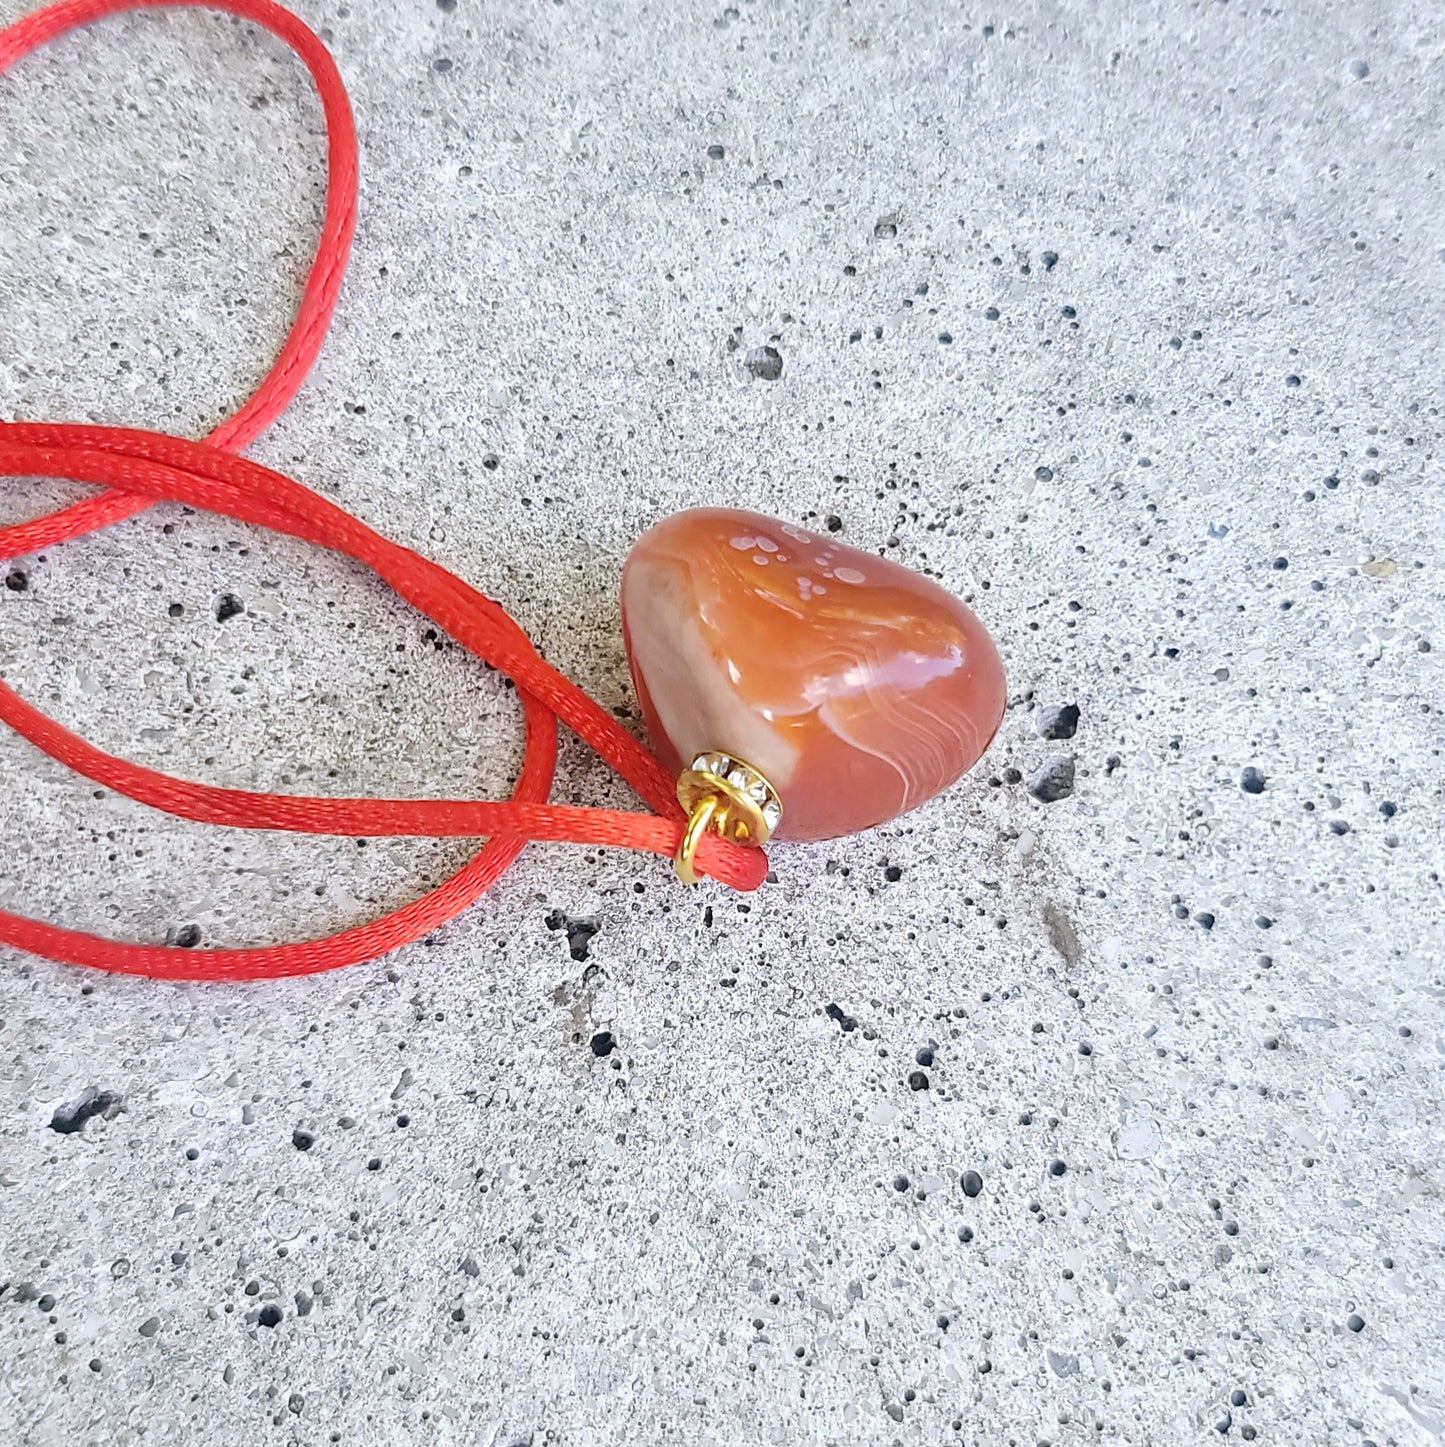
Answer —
858 687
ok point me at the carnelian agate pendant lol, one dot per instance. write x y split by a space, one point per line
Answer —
796 684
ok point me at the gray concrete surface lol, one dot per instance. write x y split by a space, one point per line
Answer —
1183 450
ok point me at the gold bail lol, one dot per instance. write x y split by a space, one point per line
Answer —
726 796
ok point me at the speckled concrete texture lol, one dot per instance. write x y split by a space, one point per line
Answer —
1110 1119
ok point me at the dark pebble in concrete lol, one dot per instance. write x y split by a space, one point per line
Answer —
765 363
1057 721
1053 779
73 1114
579 932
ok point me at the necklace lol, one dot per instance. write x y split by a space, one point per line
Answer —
790 685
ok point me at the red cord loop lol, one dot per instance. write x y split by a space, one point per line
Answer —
136 468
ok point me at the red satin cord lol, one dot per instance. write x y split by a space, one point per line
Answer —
136 468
